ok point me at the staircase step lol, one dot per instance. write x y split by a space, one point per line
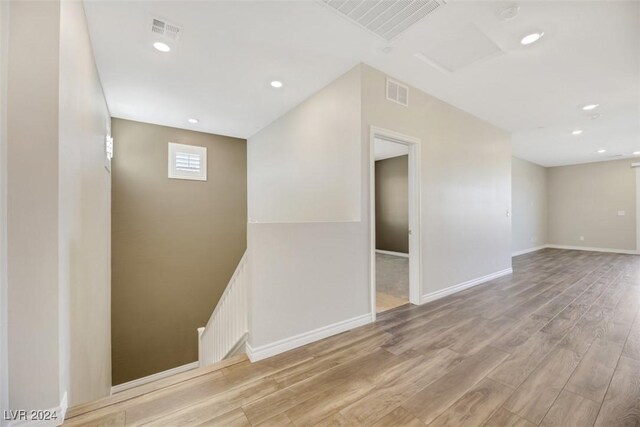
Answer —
152 386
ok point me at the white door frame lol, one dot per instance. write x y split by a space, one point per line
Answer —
636 166
415 164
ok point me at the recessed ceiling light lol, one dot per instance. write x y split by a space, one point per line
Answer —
162 47
595 116
601 151
577 132
531 38
590 107
194 121
276 84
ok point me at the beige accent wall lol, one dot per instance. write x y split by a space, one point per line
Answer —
392 204
466 183
584 200
528 205
176 244
58 210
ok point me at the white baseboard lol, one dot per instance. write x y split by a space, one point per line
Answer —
401 254
239 347
529 250
432 296
60 410
144 380
268 350
589 249
576 248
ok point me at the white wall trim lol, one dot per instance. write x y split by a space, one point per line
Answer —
401 254
432 296
577 248
239 347
157 376
268 350
528 250
60 410
586 248
637 167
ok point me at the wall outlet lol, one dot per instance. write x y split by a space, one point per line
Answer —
582 238
534 239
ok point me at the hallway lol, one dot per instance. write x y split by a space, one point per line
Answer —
558 340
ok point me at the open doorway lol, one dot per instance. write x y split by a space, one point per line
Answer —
395 220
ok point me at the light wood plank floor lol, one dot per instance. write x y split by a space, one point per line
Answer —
556 343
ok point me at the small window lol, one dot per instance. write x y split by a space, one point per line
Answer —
187 162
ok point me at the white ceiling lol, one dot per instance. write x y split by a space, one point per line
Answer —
219 72
384 149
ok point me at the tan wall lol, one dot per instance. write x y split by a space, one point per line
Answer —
584 200
528 205
466 183
392 204
176 244
84 214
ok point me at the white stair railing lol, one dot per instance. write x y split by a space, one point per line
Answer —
227 328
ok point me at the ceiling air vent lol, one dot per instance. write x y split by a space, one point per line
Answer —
166 29
385 18
397 92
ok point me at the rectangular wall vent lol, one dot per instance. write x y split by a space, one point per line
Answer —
397 92
166 29
385 18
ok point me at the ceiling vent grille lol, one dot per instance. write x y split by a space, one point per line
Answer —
166 29
397 92
385 18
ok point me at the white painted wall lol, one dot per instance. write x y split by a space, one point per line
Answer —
58 211
4 44
308 247
529 205
315 273
84 215
32 209
304 167
466 183
305 276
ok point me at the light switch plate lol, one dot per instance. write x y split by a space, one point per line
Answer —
622 213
